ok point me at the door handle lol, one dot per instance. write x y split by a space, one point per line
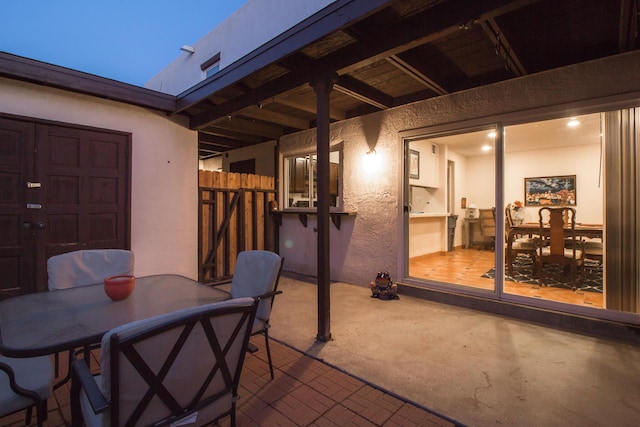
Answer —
29 225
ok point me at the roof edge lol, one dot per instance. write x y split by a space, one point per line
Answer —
42 73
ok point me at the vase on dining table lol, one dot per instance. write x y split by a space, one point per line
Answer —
518 216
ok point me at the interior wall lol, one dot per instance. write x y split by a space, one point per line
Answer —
582 161
480 175
373 240
264 154
460 191
211 164
164 197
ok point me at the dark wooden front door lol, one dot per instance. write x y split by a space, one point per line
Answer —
61 189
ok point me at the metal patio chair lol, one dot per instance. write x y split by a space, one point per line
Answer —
256 275
182 367
82 268
25 383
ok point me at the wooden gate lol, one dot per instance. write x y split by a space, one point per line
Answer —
233 216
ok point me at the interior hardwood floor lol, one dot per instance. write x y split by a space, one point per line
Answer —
466 267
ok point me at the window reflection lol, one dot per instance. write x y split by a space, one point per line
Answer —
302 180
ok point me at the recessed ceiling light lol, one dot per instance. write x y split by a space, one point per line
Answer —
491 134
573 122
486 148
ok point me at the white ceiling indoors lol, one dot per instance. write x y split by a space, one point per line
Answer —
530 136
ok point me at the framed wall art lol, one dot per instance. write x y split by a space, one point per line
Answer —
414 164
550 191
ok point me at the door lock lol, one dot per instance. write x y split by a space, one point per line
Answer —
29 225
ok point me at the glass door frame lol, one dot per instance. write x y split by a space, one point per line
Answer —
500 123
448 131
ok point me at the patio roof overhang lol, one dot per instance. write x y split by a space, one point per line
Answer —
389 53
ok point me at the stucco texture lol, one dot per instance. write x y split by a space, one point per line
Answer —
373 240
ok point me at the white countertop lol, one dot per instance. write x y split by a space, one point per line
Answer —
427 215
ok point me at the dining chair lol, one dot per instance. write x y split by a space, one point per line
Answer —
559 244
487 220
82 268
25 383
593 252
519 244
256 275
180 368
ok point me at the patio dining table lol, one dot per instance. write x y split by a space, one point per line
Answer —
49 322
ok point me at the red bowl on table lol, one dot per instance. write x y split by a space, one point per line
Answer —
119 287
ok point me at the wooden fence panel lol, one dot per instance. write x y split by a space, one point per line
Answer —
233 216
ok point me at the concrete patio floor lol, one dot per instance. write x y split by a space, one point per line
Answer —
413 362
476 368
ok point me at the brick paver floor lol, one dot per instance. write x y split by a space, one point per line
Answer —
305 392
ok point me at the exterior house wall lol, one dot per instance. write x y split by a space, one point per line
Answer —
372 240
234 38
164 197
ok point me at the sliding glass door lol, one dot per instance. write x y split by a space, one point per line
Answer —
555 164
450 184
459 237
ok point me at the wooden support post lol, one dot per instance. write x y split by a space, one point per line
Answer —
323 84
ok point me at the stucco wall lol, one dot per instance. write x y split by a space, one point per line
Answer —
164 198
372 241
234 38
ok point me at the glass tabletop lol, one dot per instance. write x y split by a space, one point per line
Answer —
47 322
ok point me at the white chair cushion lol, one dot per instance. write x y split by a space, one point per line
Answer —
154 352
568 253
255 274
87 267
523 245
34 373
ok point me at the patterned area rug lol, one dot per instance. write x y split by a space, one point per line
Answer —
552 275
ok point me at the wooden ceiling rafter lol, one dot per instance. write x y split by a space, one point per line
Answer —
259 112
219 140
629 25
210 145
419 29
267 90
503 48
363 92
334 17
232 134
241 125
411 50
413 72
293 101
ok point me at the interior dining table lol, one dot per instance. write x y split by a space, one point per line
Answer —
533 228
49 322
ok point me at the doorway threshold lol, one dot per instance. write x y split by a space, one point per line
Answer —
598 328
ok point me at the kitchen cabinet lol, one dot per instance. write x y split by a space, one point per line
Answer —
298 175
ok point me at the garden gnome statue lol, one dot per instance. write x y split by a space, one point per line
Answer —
383 287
